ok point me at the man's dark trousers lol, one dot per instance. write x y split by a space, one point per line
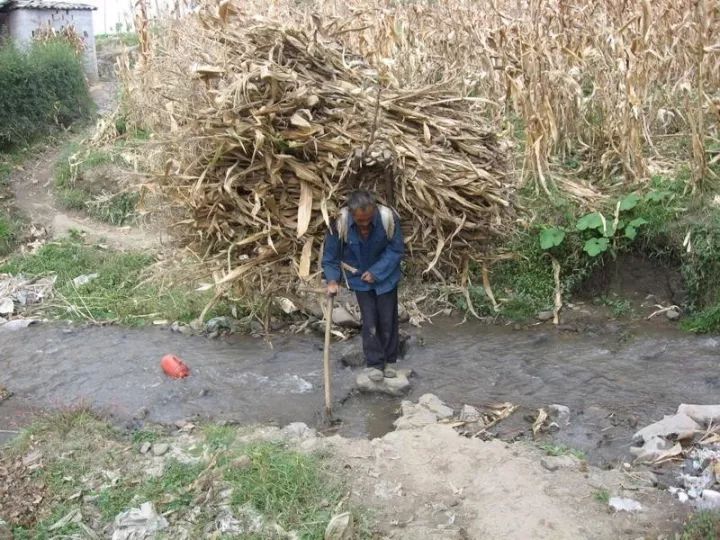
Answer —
380 330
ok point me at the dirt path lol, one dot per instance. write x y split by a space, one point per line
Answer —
32 185
431 483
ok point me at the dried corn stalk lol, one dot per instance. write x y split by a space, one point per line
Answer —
266 127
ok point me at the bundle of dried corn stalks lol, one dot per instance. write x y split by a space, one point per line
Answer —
264 128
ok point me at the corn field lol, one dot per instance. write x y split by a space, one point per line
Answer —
610 85
587 96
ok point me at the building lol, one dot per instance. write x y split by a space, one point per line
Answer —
20 19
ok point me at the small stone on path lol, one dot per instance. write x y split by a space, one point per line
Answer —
621 504
145 447
160 449
553 463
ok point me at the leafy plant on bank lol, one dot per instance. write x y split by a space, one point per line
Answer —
602 233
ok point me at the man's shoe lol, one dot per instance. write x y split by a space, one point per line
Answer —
390 372
374 374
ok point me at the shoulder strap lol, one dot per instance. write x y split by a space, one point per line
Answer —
343 223
388 220
387 216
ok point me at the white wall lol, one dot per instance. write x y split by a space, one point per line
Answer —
23 22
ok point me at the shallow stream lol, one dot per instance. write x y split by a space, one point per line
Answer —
614 379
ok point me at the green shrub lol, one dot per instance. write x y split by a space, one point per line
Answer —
41 88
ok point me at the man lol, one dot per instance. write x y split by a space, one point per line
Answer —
365 247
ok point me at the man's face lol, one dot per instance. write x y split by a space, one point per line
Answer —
364 217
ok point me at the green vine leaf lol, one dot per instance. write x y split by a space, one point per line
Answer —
638 222
552 237
657 196
630 232
596 246
629 202
590 221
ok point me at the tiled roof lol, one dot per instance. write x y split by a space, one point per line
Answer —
42 4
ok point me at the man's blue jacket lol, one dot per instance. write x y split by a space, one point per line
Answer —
378 255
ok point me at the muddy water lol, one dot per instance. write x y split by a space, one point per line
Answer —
614 380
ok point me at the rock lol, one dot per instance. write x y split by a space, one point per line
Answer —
703 414
641 479
414 416
340 527
181 328
553 463
560 413
17 324
288 306
546 316
395 386
342 317
138 523
84 279
351 353
219 324
673 314
470 414
675 427
160 449
298 430
257 327
145 447
7 306
655 448
622 504
709 500
241 463
433 403
141 413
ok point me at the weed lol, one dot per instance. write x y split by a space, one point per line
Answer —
562 450
145 435
287 487
42 530
113 500
217 437
620 307
602 496
702 526
117 294
8 234
41 88
75 193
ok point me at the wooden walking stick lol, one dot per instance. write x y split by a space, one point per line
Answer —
326 355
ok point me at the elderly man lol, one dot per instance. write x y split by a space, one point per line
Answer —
365 247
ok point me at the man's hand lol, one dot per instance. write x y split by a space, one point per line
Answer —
332 288
367 277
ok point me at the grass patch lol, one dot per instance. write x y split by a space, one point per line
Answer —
562 450
290 488
101 198
9 229
42 89
128 39
619 307
702 526
219 437
42 529
602 496
524 284
117 294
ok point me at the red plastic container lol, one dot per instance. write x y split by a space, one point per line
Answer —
174 367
